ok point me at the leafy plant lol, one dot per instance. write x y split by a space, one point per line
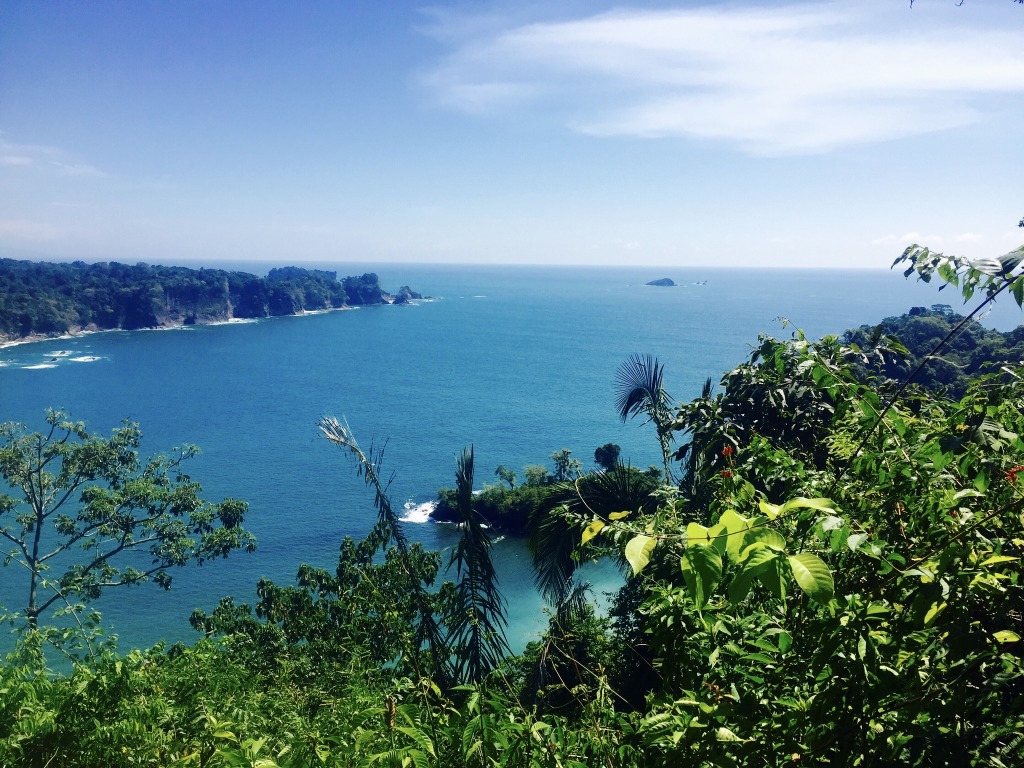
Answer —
86 504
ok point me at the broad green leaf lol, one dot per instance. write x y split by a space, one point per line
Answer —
1011 260
638 552
702 570
768 537
422 740
740 585
756 558
735 527
987 265
813 576
697 535
592 530
832 523
855 540
1006 636
771 577
618 515
995 559
771 511
785 641
933 612
757 555
724 734
824 505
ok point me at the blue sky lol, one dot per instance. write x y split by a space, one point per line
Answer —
663 133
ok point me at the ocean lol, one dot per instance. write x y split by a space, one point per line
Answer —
516 361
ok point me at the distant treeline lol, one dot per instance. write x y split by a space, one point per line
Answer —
975 350
42 298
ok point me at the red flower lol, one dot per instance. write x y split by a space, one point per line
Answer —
727 451
726 473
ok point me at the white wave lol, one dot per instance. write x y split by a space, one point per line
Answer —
418 513
85 359
38 366
59 353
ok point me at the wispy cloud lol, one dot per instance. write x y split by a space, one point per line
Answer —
791 79
969 237
43 158
24 229
908 238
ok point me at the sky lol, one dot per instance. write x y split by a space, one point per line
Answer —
765 134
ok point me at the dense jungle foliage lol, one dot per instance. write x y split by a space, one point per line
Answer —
973 350
832 577
41 298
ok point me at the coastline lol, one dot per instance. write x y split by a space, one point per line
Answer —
78 333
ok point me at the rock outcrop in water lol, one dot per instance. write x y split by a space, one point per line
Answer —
666 281
39 299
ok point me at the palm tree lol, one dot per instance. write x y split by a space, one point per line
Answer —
388 529
640 389
553 534
476 632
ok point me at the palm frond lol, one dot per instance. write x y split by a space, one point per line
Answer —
389 528
553 537
639 387
476 630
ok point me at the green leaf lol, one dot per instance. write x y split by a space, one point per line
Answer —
933 612
735 526
1017 289
824 505
697 535
1006 636
987 265
757 559
638 552
724 734
785 641
702 570
768 537
423 741
995 559
855 540
813 576
592 530
618 515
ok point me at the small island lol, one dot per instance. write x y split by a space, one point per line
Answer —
42 299
664 281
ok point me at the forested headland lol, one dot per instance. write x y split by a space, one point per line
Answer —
825 570
39 299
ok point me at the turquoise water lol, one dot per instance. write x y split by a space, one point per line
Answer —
517 361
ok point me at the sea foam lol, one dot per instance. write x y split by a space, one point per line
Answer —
418 513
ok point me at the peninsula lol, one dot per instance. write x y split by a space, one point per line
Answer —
44 299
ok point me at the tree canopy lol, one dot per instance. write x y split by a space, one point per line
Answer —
81 507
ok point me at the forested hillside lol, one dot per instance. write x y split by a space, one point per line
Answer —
48 299
827 571
972 351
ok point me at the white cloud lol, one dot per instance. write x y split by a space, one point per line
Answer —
76 169
969 237
788 79
43 157
908 238
24 229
